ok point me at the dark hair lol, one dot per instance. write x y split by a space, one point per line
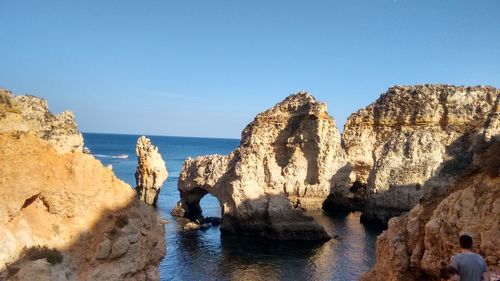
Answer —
446 272
465 241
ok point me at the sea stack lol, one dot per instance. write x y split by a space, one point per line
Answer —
283 165
151 171
411 140
63 216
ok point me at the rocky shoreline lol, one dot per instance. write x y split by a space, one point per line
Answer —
413 138
63 216
422 160
404 151
417 243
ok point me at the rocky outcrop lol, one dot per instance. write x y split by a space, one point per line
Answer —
287 155
64 215
31 114
412 141
151 171
413 138
417 243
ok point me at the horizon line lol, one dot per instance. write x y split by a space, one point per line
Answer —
153 135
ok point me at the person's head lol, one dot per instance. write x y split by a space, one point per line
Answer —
465 241
449 273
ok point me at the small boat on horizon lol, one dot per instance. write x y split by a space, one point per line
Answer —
119 156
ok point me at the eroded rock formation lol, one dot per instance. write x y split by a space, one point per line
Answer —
91 223
413 138
288 153
416 243
31 114
151 171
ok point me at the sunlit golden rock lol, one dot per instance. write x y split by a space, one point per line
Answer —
31 114
63 216
151 171
288 154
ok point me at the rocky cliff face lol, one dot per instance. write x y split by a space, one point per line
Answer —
416 243
88 224
410 140
31 114
288 153
151 171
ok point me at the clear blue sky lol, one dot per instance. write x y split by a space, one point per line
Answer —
206 68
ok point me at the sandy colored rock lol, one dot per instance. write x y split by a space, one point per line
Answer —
191 226
416 243
31 114
151 171
396 145
70 202
288 152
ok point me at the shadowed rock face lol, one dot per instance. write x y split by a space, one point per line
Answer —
151 172
70 202
416 243
31 114
413 138
288 152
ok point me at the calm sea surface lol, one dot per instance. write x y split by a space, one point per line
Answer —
205 255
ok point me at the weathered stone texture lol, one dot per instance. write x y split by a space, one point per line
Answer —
31 114
288 153
411 139
151 171
67 201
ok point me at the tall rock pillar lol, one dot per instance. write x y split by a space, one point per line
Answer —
151 171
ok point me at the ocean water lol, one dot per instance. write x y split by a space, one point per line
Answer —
206 255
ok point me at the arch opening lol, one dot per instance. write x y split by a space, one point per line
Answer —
210 206
199 204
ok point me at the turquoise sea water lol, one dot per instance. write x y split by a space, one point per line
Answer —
206 255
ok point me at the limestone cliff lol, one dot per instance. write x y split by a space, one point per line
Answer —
412 141
29 113
416 243
413 138
151 171
63 216
289 152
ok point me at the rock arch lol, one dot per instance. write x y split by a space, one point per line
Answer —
288 153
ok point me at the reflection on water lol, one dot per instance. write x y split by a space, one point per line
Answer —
206 255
